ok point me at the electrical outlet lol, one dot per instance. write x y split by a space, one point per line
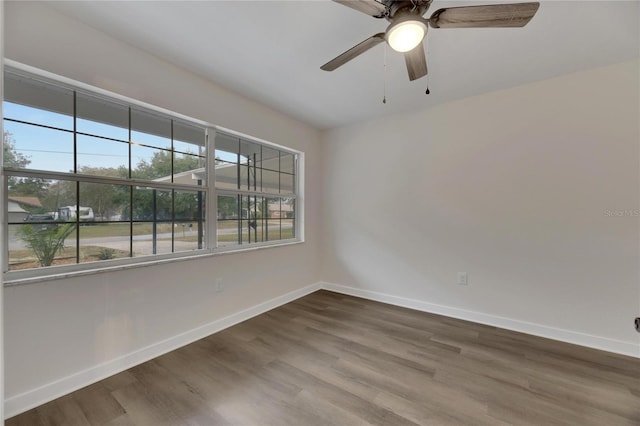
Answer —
463 278
218 285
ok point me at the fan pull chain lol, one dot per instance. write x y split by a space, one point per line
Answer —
384 84
428 57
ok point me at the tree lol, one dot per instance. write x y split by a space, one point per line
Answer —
106 200
12 158
32 187
59 193
46 241
227 207
185 204
160 165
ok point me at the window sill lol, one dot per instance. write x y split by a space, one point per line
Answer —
9 281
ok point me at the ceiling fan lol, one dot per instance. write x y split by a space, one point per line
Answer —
408 28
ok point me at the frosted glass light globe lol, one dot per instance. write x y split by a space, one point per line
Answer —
406 35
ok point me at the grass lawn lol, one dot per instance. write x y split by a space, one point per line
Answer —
25 259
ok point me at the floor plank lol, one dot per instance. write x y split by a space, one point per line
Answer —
332 359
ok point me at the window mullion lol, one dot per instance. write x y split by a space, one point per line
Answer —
212 196
130 191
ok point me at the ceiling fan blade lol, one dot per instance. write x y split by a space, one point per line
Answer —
416 62
353 52
370 7
485 16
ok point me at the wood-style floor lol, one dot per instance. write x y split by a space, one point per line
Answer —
330 359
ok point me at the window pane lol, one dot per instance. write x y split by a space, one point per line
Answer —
249 177
150 129
228 233
270 181
228 220
281 214
252 226
227 148
288 229
249 153
36 102
287 162
101 117
189 170
227 207
104 202
273 208
189 139
245 208
152 238
272 229
102 157
190 220
226 175
189 205
104 241
151 204
288 208
270 159
38 148
36 245
150 163
25 198
38 200
287 182
20 257
185 236
259 218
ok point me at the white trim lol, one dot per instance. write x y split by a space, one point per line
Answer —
25 401
211 212
300 191
48 392
567 336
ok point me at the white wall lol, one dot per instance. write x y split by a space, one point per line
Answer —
59 333
512 187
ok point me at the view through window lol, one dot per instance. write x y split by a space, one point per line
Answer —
92 178
256 192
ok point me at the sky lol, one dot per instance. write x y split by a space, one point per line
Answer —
52 149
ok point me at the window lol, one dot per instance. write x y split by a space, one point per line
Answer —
256 192
90 177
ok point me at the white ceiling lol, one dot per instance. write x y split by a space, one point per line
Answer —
271 51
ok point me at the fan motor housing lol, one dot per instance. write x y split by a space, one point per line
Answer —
396 8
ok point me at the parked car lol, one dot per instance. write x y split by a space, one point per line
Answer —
46 217
40 218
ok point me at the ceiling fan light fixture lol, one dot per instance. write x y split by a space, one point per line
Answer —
405 34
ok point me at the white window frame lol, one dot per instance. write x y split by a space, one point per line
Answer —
210 248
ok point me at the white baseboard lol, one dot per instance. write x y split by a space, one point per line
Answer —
35 397
50 391
568 336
